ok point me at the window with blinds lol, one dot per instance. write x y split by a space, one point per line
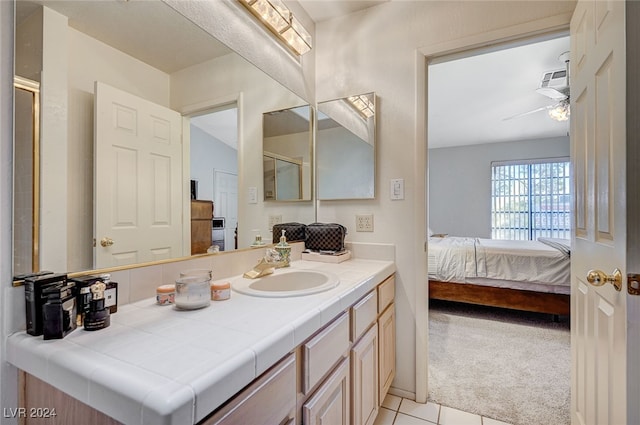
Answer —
530 199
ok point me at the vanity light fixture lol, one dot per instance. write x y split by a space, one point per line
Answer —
561 112
363 105
280 21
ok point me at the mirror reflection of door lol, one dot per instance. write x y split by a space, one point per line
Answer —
288 176
214 165
282 177
138 180
26 188
225 200
269 171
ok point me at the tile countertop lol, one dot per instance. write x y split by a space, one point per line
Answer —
159 365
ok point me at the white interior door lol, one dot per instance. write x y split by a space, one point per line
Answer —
225 203
137 179
598 138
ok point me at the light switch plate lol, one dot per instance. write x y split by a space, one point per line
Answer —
396 189
253 195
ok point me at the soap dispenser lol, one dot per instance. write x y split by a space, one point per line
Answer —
284 249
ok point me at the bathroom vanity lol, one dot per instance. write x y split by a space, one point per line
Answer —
327 356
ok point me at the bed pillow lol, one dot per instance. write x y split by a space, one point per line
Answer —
430 232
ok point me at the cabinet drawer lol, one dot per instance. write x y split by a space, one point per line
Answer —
270 399
363 314
330 403
323 351
386 293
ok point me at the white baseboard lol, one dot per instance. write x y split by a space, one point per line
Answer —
402 393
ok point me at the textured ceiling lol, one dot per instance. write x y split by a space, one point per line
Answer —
470 97
321 10
148 30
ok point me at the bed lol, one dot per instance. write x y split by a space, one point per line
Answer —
522 275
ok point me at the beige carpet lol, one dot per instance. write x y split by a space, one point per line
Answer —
511 366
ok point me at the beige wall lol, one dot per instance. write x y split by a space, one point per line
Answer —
378 50
231 78
91 60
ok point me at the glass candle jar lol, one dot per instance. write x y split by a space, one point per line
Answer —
193 292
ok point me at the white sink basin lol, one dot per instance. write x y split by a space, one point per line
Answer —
286 283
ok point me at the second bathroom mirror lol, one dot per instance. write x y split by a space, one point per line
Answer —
345 148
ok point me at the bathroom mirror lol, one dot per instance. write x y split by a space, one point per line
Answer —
346 148
287 159
150 51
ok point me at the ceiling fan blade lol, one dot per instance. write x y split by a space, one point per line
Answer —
544 108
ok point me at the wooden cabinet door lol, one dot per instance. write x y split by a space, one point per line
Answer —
364 379
387 349
329 405
201 236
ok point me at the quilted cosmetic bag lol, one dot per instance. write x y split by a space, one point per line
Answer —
294 232
325 237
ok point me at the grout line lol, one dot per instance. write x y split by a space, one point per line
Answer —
397 411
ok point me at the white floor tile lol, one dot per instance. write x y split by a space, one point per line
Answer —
385 417
449 416
391 402
428 411
403 419
489 421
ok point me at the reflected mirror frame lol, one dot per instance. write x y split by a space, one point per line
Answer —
276 156
373 99
32 87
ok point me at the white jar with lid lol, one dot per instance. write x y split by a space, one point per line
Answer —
220 291
165 294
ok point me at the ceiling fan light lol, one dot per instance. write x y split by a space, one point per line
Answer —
560 112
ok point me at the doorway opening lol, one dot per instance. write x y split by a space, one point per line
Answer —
484 108
214 169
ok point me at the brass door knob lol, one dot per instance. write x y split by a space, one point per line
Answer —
105 242
599 278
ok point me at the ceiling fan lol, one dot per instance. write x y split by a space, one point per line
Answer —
555 85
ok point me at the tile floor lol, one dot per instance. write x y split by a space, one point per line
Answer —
401 411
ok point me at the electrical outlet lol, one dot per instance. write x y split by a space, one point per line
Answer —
274 219
364 222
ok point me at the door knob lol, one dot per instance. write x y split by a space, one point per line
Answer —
105 242
599 278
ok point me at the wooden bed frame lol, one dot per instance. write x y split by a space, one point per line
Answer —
539 302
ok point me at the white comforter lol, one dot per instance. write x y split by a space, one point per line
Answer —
459 259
